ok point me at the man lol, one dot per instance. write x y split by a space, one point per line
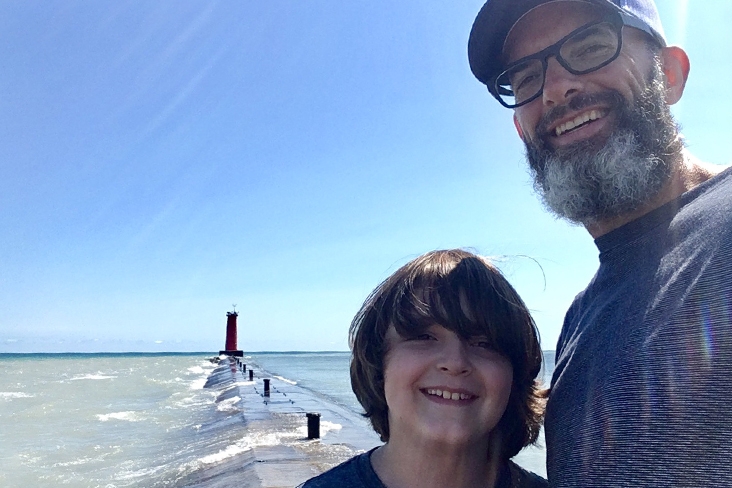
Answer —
640 395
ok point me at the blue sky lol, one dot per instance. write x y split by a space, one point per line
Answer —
162 161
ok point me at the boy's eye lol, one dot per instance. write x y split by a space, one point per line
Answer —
482 343
422 337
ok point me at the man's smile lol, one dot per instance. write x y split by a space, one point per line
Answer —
579 121
571 125
583 118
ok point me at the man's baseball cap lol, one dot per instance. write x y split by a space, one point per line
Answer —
497 17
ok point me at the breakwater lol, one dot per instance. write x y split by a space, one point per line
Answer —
274 449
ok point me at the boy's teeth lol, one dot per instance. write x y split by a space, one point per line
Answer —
448 395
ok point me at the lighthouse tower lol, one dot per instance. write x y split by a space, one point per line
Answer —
230 347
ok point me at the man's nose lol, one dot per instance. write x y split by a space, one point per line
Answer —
559 84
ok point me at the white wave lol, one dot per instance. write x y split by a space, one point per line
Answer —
129 416
187 402
28 459
228 405
230 451
14 394
77 462
130 474
197 384
288 436
97 376
254 439
243 445
285 380
196 370
325 427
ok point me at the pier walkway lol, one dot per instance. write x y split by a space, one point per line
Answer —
275 451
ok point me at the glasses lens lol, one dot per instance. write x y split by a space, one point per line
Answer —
590 48
521 82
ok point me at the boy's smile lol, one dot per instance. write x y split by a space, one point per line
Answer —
446 394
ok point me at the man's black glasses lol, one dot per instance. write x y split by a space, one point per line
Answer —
584 50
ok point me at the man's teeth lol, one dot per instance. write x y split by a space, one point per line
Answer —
576 122
449 396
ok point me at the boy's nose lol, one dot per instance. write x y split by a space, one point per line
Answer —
454 358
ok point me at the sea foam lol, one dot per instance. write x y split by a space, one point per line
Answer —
129 416
14 394
98 376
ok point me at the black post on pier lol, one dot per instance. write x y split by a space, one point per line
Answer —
251 374
243 368
266 387
313 425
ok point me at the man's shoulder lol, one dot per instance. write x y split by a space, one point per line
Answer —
716 187
354 473
705 216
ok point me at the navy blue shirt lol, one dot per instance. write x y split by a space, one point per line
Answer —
357 472
641 393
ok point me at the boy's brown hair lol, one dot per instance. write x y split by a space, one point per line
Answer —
466 294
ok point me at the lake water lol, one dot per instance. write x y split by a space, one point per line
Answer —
141 420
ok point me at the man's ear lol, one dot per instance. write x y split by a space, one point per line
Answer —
518 127
676 70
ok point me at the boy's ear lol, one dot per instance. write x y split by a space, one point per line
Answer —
518 127
676 68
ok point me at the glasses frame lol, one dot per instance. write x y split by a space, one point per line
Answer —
554 51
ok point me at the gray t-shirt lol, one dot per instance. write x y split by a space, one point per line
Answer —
641 393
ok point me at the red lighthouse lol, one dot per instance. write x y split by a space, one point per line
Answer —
230 347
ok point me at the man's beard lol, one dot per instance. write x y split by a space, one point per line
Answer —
588 181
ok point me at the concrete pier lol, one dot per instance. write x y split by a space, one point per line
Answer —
284 411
